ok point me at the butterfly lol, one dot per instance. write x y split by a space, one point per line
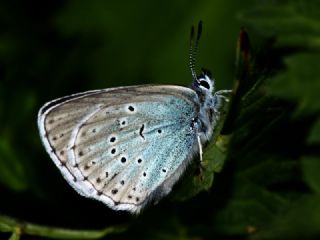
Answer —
128 146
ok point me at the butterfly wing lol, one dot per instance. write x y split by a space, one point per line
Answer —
123 146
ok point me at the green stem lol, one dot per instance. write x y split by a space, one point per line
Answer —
15 234
18 227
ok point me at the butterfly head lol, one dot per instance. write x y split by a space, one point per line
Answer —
204 84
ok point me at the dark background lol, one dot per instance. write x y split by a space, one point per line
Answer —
269 187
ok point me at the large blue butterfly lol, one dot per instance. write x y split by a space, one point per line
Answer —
127 146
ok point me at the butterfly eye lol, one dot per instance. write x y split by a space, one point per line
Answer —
205 84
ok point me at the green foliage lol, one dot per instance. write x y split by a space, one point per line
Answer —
260 175
11 171
294 23
300 81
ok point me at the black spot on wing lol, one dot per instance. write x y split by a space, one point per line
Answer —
141 131
114 175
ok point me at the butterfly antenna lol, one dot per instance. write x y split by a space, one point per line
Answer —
193 49
191 58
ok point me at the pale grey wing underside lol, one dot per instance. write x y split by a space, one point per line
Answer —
121 146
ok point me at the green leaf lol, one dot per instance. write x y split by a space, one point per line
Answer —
314 136
300 82
214 159
299 221
294 23
240 215
11 170
310 168
15 235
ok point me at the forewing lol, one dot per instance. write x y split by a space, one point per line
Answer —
121 145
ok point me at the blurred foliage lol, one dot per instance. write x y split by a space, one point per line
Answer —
268 185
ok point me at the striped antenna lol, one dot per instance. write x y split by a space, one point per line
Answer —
193 48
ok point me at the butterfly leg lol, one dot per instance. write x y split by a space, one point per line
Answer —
200 148
219 97
201 166
220 92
